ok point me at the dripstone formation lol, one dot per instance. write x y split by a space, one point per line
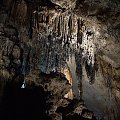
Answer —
40 39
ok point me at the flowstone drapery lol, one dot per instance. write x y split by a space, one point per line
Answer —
56 37
60 36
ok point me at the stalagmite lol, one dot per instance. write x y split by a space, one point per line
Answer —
56 24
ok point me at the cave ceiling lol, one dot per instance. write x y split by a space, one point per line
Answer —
45 35
59 19
103 15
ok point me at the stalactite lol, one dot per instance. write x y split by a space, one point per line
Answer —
79 32
96 64
36 20
70 26
90 70
59 27
30 28
66 37
62 24
79 73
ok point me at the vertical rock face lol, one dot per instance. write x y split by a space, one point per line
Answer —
45 35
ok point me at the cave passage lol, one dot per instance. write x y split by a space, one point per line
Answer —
23 104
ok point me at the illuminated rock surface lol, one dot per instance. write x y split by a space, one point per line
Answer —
81 37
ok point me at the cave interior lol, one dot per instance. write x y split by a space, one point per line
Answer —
59 60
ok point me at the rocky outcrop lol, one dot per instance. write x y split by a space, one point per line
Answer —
42 98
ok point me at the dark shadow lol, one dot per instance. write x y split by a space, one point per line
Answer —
23 104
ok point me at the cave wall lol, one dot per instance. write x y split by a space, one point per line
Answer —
25 24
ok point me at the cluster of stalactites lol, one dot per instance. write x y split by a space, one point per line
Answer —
65 35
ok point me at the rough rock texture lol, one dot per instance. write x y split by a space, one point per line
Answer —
106 15
65 3
43 98
26 30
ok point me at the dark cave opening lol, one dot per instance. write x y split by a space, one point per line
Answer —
34 103
23 104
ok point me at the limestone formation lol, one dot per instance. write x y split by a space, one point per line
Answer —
39 38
